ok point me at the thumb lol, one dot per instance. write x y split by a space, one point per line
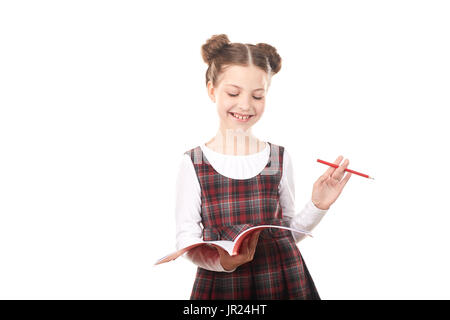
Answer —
221 251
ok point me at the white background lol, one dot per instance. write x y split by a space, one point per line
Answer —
99 100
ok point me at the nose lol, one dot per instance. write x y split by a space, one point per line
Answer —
244 104
244 108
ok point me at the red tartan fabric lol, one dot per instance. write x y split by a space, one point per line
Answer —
229 206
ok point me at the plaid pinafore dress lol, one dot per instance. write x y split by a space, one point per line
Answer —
229 206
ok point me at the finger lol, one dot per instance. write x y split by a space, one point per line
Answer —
247 252
329 172
254 243
331 169
255 239
245 246
346 178
339 172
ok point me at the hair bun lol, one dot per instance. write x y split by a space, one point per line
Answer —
213 45
272 55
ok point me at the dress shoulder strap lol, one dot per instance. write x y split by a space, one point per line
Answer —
196 155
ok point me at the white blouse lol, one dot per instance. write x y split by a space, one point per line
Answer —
188 200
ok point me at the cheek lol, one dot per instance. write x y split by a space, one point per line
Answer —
226 106
224 98
224 109
260 108
224 102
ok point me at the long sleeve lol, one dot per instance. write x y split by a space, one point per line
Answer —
309 216
188 218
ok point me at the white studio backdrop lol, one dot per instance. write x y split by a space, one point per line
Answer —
99 100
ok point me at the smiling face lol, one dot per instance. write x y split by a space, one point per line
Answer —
240 97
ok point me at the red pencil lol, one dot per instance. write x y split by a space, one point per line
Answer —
348 170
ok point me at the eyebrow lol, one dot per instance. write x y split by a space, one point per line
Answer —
229 84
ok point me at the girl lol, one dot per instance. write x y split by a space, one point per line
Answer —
235 181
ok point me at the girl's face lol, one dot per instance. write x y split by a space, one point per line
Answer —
239 96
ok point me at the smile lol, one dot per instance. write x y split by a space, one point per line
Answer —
240 117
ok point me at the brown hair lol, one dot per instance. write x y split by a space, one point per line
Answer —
218 52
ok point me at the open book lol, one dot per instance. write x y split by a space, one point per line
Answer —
232 247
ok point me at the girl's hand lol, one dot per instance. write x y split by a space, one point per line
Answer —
329 186
246 253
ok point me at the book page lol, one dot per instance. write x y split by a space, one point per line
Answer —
225 244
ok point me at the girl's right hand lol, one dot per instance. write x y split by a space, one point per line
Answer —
246 253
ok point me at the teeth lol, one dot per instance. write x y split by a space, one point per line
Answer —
240 117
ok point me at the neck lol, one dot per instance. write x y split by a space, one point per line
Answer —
235 142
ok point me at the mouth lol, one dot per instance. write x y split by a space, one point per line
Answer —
241 117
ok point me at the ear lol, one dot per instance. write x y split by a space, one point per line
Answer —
211 91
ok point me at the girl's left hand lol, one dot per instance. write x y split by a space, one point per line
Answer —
329 186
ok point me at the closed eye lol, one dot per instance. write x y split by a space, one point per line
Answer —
235 95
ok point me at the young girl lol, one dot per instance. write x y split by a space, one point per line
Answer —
235 181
